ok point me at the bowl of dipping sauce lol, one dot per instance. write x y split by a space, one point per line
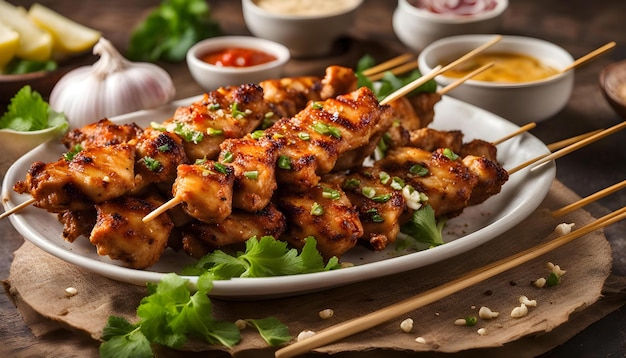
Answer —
309 28
234 60
418 23
524 85
613 84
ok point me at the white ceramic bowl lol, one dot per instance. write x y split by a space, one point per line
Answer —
305 35
520 103
417 28
211 77
17 143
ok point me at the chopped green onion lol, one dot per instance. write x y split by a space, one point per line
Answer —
553 279
188 134
72 153
214 132
384 177
253 174
151 163
236 113
200 161
397 183
221 168
368 191
351 183
163 148
257 134
382 198
418 170
450 154
317 209
228 157
470 321
375 215
323 128
213 106
317 105
284 162
304 136
329 193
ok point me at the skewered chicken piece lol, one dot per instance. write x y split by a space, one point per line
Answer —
387 193
200 238
311 142
228 112
101 133
323 212
120 234
93 175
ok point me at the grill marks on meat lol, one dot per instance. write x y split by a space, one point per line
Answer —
101 133
229 112
199 238
120 233
335 225
333 128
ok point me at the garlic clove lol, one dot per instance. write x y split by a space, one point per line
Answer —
110 87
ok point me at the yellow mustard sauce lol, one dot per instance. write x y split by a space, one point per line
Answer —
507 68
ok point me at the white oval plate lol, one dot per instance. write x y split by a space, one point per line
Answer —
520 196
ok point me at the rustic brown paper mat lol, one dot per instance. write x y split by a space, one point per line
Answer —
37 282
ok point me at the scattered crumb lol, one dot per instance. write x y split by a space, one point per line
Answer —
482 331
71 291
305 334
406 325
420 340
241 324
326 313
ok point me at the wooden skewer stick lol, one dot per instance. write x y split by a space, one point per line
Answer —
589 199
523 129
438 70
579 144
376 318
396 70
565 142
163 208
589 56
17 208
411 86
382 67
462 80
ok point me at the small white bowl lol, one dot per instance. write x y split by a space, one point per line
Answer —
305 35
211 77
17 143
417 28
520 103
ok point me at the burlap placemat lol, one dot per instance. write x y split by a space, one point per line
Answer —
37 282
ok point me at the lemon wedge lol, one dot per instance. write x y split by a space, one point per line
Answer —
9 42
34 43
69 37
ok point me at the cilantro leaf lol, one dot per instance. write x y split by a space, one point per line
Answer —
272 330
124 340
389 83
264 258
424 228
29 112
170 30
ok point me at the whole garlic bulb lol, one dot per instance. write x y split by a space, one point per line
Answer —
110 87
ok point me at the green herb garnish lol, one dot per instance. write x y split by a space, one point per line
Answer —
151 163
170 30
424 228
29 112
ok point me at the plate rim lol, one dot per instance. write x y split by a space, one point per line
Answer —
290 285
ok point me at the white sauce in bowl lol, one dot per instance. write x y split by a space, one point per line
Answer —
306 7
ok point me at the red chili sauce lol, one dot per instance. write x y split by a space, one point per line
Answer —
237 57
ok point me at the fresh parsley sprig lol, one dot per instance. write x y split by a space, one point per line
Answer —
424 227
389 83
266 257
28 111
170 314
170 30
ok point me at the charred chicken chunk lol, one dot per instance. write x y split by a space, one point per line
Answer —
205 190
323 212
200 238
101 133
121 234
229 112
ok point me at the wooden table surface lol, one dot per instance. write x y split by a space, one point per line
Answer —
579 26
